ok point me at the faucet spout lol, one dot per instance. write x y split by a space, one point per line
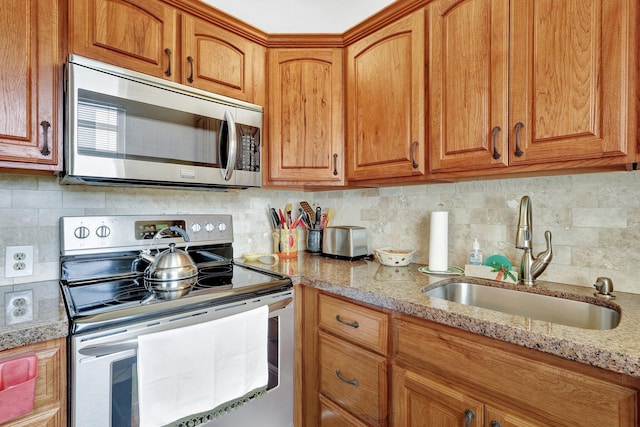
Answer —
530 267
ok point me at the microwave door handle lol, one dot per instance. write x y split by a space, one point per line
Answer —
232 145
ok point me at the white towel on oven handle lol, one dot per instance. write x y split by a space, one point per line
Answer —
196 368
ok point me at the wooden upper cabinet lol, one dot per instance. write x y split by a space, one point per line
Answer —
385 102
517 82
136 34
569 75
468 83
30 85
219 61
306 132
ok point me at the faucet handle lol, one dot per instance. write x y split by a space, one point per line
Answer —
604 285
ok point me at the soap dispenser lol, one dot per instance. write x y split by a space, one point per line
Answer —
475 256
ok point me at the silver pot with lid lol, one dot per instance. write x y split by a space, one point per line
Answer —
172 270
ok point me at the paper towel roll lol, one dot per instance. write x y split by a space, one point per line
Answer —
439 241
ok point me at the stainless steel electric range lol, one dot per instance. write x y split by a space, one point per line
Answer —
110 304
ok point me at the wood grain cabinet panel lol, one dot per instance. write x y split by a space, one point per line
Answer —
519 83
306 125
385 102
136 34
361 325
219 61
50 394
30 85
354 378
518 390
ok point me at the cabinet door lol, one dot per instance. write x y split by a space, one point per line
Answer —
568 71
468 84
509 418
385 102
419 401
135 34
306 134
30 95
217 60
49 406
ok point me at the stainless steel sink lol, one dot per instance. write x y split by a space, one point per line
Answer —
547 308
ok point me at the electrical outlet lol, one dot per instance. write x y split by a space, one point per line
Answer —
18 307
18 261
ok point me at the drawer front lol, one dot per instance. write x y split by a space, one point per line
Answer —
332 415
363 326
354 378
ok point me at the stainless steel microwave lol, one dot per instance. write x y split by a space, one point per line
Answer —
128 128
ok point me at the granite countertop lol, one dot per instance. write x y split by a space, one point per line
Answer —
400 289
48 321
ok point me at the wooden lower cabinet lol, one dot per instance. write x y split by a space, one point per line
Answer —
49 407
416 373
446 377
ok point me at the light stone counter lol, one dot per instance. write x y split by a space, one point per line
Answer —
400 289
49 320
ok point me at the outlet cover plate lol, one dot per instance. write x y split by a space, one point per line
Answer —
18 261
18 307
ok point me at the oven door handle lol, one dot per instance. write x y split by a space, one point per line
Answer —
119 347
110 348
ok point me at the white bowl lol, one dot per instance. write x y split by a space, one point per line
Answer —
394 257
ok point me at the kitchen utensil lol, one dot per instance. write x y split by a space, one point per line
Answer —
309 211
287 211
318 217
394 257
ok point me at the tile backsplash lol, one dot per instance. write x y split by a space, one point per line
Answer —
594 218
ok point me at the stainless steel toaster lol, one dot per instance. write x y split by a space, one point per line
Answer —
345 241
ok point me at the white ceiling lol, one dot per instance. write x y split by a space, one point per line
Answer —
301 16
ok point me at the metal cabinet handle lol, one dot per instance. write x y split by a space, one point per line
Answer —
335 164
414 148
168 70
495 424
469 416
353 324
190 59
518 151
45 138
353 382
496 153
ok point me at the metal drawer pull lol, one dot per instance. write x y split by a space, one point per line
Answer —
168 72
353 324
335 164
495 424
45 135
518 151
352 382
469 416
414 147
496 153
190 59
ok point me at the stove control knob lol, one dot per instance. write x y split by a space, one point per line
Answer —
195 227
209 227
222 227
103 231
81 232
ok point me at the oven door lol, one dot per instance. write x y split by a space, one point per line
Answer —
124 127
103 369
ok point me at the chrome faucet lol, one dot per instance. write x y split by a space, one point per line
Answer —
530 267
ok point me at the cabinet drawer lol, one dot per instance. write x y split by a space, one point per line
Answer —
354 378
562 396
332 415
364 326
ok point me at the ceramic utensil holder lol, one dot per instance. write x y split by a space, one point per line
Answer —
314 241
285 243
